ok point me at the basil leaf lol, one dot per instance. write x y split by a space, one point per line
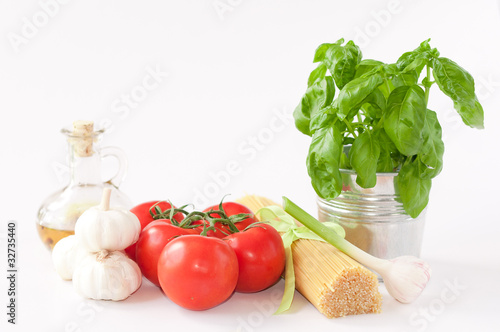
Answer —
363 156
323 118
374 105
410 65
319 55
416 58
316 97
412 188
406 78
386 88
388 159
323 162
366 66
433 146
405 117
317 74
412 61
352 95
458 84
342 62
424 46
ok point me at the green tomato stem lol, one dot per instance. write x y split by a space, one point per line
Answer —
333 238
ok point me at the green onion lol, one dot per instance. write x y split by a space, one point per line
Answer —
405 277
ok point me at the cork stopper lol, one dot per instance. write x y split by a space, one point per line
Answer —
82 138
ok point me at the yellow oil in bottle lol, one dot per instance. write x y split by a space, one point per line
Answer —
51 236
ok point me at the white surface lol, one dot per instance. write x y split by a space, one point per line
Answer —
230 79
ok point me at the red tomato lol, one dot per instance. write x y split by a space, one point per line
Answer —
153 239
231 208
194 231
142 212
198 272
261 257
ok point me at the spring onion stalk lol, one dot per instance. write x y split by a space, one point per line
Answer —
405 277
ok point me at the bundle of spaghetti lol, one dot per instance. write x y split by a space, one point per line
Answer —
333 282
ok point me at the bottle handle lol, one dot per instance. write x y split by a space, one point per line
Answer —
119 154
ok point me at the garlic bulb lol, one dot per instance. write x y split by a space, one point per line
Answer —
107 276
104 228
405 277
66 255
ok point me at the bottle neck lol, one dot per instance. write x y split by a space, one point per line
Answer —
84 170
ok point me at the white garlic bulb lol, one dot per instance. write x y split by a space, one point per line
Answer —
107 276
104 228
66 255
405 277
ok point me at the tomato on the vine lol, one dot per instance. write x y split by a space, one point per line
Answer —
155 236
145 217
210 233
230 209
261 257
198 272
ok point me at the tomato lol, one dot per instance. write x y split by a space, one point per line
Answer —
142 212
231 208
152 240
195 231
261 257
198 272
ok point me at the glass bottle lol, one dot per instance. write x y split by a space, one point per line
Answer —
59 212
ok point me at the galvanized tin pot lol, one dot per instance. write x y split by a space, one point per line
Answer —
374 219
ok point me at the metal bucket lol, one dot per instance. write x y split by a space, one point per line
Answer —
374 219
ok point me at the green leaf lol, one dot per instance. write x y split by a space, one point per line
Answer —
317 74
342 62
374 105
413 189
387 87
406 78
352 95
366 66
410 66
319 55
413 60
323 162
325 117
458 84
433 146
405 117
363 156
317 96
388 159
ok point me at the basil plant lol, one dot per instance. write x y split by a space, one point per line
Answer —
381 111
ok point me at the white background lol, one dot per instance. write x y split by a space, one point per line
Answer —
231 73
